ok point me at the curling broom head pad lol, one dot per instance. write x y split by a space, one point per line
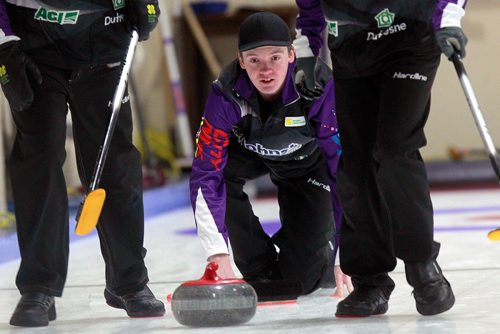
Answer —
90 211
212 301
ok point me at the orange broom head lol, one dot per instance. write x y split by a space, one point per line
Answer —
494 235
91 210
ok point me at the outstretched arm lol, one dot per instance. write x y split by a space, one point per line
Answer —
207 186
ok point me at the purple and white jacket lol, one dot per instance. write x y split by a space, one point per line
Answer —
287 140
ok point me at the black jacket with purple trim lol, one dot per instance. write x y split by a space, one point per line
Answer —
287 141
364 35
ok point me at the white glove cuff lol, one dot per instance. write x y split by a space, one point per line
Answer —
452 15
301 46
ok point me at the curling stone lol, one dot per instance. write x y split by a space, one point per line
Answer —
213 301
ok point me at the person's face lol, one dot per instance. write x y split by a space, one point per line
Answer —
267 67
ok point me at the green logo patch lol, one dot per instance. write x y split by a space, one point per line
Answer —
385 18
118 4
57 16
333 28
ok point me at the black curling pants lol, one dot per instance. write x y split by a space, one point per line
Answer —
306 217
39 188
382 180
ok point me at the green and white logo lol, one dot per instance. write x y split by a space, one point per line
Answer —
385 18
294 121
333 28
57 16
118 4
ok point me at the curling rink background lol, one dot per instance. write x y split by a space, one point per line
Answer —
470 261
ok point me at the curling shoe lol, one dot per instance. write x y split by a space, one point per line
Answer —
370 297
432 291
137 304
35 309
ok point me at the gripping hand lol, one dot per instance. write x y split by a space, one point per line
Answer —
143 16
305 78
15 71
451 40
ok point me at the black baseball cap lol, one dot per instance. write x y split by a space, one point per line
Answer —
263 29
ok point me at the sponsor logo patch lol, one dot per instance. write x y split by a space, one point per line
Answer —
389 31
385 18
4 78
118 4
114 19
259 149
292 122
57 16
316 183
333 28
152 13
410 76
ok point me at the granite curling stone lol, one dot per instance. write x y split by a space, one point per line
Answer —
213 301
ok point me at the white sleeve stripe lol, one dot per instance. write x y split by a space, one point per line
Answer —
452 14
5 39
211 240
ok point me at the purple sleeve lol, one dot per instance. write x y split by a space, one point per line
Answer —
322 116
5 29
448 13
311 23
207 187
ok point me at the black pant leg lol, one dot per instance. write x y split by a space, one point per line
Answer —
306 213
121 225
39 188
365 236
382 180
401 175
253 250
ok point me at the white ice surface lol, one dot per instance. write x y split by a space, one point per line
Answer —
470 262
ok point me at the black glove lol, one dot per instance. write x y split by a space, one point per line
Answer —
15 67
451 40
143 16
305 78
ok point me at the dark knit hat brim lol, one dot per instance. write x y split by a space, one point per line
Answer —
255 45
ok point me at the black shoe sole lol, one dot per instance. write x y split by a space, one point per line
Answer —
116 302
353 313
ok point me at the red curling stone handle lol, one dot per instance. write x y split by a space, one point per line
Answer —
210 277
